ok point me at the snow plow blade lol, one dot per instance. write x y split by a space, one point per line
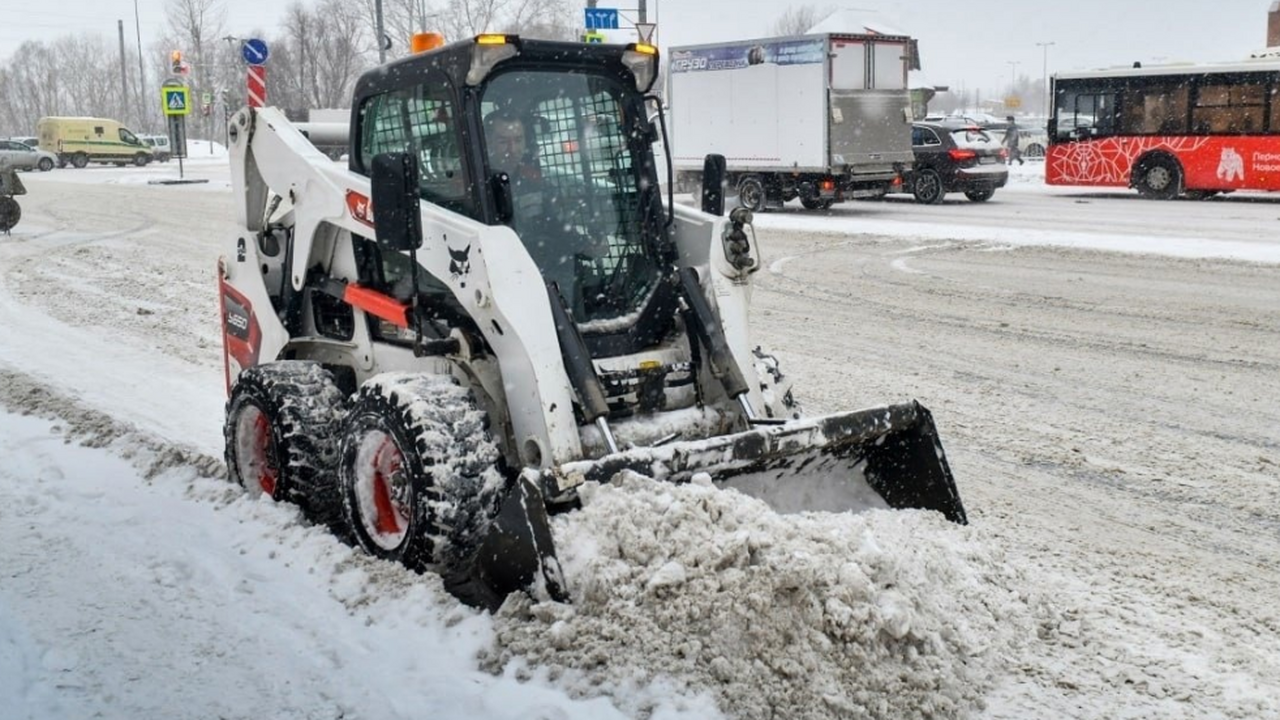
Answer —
880 457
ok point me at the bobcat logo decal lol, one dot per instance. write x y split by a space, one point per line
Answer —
460 263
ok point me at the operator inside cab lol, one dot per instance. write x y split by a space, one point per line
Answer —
550 230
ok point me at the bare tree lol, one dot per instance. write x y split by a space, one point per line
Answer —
798 19
464 18
198 26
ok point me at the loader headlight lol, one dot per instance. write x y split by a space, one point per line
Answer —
490 50
642 61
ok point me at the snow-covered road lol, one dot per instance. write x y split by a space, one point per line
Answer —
1105 373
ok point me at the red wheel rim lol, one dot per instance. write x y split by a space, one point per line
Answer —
382 493
259 467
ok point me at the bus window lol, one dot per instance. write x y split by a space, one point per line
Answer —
1085 113
1228 109
1275 109
1154 110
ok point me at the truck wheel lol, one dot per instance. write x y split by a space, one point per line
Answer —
281 421
45 165
927 187
79 160
751 193
419 476
140 160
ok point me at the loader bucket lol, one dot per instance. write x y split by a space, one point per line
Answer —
886 457
880 457
517 552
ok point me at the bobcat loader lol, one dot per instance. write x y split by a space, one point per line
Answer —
432 362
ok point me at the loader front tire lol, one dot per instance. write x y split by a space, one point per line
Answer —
280 435
419 475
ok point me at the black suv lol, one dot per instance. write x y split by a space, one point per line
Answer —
954 157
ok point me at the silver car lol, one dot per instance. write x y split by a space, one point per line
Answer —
21 156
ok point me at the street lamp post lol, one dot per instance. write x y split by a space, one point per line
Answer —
1013 75
1044 72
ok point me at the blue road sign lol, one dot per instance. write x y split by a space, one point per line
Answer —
601 18
254 51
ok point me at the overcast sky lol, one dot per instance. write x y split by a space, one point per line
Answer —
963 44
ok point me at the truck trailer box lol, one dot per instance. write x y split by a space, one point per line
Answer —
821 117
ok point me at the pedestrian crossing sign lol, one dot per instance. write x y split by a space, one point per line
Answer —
175 100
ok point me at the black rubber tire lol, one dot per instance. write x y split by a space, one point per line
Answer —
1158 177
1035 150
79 160
817 203
301 406
45 164
141 160
10 213
927 188
445 474
979 195
751 194
1199 194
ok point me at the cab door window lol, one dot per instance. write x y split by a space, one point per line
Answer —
420 120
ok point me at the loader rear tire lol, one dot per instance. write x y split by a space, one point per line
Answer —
420 478
280 432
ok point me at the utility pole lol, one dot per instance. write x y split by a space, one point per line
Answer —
1013 75
1044 73
382 33
644 12
142 73
124 75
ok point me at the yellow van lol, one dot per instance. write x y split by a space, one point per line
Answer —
80 140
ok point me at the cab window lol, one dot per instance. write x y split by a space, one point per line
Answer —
419 120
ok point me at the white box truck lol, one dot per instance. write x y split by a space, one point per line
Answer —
823 118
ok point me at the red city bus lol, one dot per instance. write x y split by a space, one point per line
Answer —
1168 131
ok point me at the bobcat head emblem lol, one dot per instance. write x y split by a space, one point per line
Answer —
459 262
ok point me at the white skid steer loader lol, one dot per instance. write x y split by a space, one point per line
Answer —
432 347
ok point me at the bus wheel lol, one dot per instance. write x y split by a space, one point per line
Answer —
1159 177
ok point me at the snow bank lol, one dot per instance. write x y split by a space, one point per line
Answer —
887 614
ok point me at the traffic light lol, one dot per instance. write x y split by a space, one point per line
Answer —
175 59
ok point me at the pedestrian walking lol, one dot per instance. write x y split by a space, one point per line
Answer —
1011 141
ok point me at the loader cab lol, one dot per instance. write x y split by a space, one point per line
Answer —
551 139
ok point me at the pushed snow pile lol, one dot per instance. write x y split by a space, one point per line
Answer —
885 614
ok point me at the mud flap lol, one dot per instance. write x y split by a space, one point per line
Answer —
517 553
880 457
